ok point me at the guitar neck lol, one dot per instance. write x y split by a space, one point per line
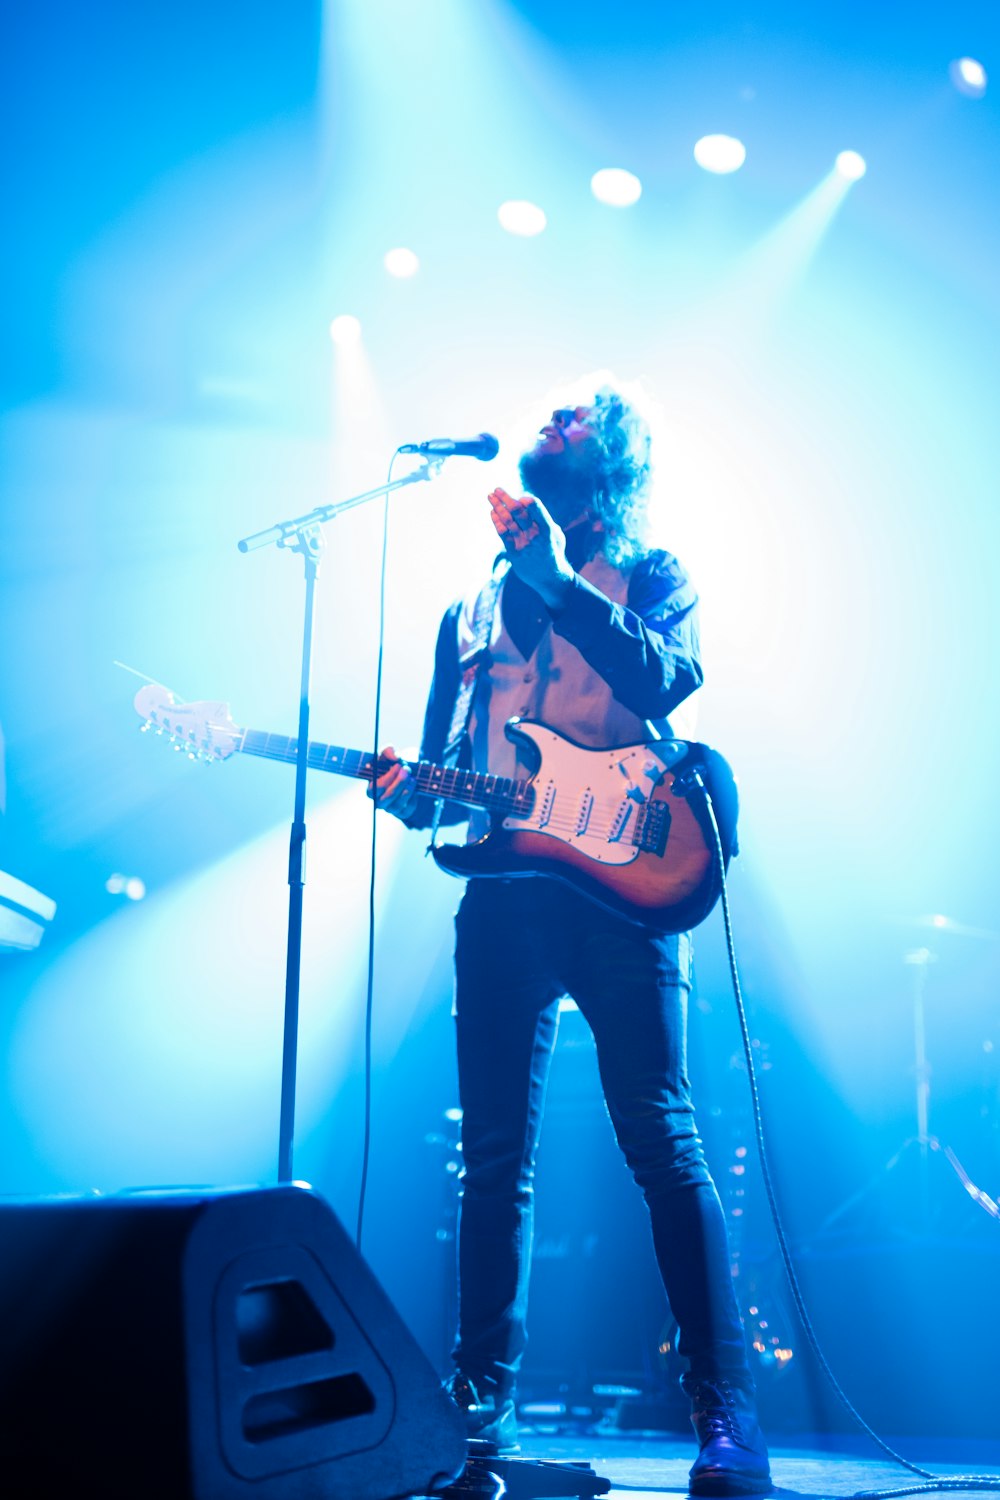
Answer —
471 788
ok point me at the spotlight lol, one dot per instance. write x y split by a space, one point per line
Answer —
720 153
345 330
129 886
401 263
852 166
615 186
518 216
969 77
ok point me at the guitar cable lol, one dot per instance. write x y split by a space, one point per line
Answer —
934 1482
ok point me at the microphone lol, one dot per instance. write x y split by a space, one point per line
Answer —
483 447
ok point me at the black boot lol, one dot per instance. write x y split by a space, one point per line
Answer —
733 1457
489 1414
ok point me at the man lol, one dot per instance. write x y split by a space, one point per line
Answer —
596 636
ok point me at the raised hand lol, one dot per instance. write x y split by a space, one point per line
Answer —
534 543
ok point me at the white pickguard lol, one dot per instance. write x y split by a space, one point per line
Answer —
591 799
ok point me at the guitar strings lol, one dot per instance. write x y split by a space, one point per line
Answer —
561 821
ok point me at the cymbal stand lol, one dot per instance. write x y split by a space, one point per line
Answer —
918 960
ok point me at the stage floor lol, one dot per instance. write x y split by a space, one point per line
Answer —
641 1467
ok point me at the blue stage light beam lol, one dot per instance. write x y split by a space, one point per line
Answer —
149 1052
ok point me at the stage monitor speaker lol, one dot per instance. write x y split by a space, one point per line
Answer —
181 1345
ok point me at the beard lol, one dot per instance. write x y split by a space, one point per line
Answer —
565 481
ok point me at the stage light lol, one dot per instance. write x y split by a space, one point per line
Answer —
615 186
345 330
969 77
720 153
851 165
518 216
400 262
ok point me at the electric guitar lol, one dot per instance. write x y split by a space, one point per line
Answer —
630 826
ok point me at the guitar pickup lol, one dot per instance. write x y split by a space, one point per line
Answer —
586 808
548 800
621 822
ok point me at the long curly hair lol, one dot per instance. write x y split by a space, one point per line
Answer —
621 501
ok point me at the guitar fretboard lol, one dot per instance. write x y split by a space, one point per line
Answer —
473 788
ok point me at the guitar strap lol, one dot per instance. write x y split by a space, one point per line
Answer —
469 664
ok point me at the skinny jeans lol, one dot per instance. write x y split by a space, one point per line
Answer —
521 945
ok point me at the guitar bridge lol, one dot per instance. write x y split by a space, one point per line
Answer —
650 833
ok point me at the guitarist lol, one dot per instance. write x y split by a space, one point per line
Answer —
596 635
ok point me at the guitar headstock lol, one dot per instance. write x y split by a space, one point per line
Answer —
205 730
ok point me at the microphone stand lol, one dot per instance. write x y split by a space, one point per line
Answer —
304 534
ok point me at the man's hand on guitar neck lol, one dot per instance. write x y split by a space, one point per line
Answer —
395 791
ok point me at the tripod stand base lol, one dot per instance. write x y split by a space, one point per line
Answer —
924 1150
